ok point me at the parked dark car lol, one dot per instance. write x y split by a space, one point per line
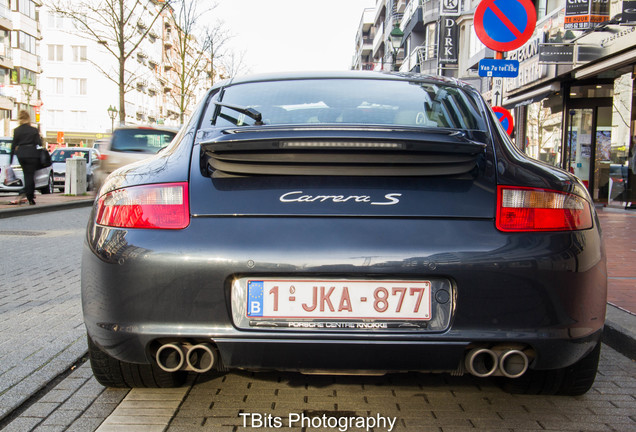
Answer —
355 222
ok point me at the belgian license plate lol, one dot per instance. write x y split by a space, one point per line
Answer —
340 300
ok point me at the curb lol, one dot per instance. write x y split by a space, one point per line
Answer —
29 210
620 331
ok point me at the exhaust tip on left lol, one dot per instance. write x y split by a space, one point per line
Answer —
170 357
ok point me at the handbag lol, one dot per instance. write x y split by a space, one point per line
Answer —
45 158
9 176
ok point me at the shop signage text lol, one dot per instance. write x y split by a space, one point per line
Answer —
556 53
448 40
629 11
585 14
449 7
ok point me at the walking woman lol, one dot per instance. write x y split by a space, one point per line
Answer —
26 139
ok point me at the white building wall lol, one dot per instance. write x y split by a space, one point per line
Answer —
68 104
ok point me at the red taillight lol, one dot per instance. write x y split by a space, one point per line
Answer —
102 157
527 209
160 206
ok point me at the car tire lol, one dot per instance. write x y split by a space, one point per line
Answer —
49 188
90 184
111 372
573 380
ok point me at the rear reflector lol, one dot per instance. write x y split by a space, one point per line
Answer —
527 209
160 206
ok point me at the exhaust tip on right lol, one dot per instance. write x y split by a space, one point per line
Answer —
513 363
201 358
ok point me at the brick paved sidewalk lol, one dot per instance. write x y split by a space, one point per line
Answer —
619 233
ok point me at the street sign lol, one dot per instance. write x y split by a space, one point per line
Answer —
505 25
505 118
498 68
497 92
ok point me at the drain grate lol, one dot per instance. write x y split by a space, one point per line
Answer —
23 233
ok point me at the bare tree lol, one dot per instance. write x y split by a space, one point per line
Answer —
195 50
114 25
233 64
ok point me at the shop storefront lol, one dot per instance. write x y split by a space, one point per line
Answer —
581 115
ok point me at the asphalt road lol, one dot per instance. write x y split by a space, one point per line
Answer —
42 335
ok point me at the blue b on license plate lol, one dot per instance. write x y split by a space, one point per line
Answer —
339 299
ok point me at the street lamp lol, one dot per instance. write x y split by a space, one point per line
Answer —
28 87
112 113
396 36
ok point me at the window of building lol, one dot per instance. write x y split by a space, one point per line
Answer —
23 41
55 118
55 20
79 53
546 7
56 53
79 86
79 119
431 41
56 85
25 7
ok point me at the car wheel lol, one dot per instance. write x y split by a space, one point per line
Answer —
111 372
573 380
48 189
90 185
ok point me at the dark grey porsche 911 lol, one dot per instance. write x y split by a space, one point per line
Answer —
356 222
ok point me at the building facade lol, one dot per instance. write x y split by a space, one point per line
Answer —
574 99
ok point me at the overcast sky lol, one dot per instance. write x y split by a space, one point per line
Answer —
293 35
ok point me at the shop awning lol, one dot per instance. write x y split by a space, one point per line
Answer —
611 63
532 96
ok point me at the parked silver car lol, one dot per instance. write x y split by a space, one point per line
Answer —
59 156
43 177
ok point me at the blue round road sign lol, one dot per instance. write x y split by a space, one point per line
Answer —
505 25
505 118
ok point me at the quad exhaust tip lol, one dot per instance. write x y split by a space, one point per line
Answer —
506 361
199 358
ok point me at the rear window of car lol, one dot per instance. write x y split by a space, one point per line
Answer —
61 155
350 101
141 140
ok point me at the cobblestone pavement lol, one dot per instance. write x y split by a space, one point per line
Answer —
619 234
418 402
41 327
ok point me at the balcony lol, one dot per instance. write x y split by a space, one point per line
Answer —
418 13
378 40
400 6
6 57
420 59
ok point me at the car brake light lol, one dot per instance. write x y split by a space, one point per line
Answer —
528 209
159 206
102 157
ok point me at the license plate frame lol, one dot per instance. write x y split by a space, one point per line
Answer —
438 297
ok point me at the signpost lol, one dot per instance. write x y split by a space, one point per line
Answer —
497 91
505 118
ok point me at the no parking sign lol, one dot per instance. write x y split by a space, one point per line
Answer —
505 118
505 25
